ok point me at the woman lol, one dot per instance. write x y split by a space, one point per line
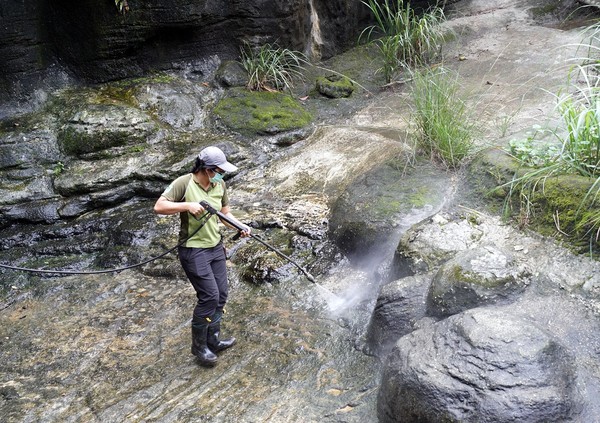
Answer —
201 252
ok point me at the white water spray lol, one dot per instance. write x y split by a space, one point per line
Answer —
357 287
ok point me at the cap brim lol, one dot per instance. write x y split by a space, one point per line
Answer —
228 167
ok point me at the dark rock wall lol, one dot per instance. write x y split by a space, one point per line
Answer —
24 44
91 41
99 44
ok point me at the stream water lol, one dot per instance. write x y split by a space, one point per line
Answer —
116 348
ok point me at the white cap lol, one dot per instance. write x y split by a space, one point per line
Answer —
213 156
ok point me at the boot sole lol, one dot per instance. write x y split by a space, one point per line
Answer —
218 350
205 363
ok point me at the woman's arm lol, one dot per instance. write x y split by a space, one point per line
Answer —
225 210
165 206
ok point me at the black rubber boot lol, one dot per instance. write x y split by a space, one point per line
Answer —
199 348
214 329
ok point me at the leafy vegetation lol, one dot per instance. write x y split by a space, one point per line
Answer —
271 68
534 152
403 38
446 128
576 152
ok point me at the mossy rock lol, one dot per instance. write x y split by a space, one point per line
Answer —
261 112
474 278
335 86
487 175
560 206
99 127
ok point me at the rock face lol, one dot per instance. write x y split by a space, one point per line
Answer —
478 366
97 43
42 41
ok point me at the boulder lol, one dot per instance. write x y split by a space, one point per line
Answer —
478 366
400 306
335 86
253 112
474 277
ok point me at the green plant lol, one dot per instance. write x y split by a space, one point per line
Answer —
590 224
403 38
59 167
445 125
581 115
271 68
577 153
534 153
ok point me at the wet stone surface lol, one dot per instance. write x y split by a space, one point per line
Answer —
117 349
112 348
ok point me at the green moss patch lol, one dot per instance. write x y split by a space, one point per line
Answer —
335 86
261 112
76 142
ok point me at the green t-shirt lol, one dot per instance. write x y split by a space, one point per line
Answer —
186 189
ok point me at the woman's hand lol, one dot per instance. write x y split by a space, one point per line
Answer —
195 209
246 232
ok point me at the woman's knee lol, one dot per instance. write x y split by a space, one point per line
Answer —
209 301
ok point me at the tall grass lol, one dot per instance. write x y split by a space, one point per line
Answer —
578 152
272 68
445 123
403 38
580 112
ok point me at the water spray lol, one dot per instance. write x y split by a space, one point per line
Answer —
237 226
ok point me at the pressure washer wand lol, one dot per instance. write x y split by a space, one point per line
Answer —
224 218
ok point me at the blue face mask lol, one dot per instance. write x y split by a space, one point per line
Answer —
217 178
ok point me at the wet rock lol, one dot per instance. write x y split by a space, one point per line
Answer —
481 365
400 305
231 74
24 149
16 191
432 242
28 161
363 217
472 278
41 211
98 127
179 103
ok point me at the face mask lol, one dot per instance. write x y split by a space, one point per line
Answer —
217 178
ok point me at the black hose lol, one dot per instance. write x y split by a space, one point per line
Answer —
97 272
224 218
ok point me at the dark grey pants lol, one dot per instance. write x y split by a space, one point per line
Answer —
206 269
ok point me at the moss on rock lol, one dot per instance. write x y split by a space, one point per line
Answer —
561 206
335 86
261 112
